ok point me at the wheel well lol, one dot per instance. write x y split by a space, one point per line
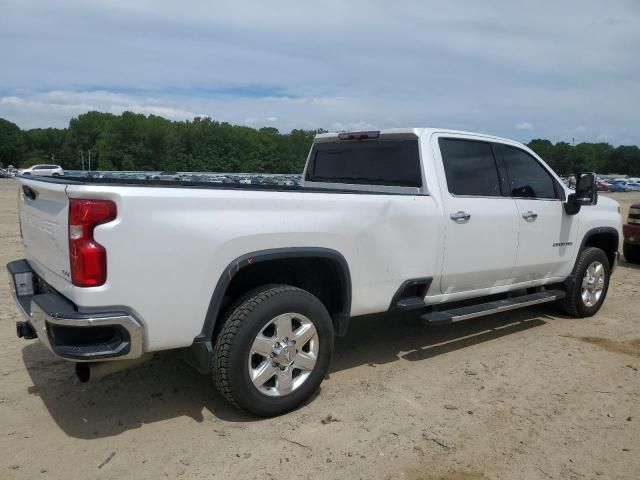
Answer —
324 277
605 241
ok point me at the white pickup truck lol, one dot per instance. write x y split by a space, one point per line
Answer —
253 282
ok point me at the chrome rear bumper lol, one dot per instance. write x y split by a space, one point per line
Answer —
67 332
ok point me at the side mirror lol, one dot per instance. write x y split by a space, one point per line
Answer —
586 193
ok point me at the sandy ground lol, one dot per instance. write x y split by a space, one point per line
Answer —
525 395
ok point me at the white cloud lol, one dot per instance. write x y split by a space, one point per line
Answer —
457 64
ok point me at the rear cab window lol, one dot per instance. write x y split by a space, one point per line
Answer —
393 163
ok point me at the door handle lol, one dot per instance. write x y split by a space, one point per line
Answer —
460 217
529 215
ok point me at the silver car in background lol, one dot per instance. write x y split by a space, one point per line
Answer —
42 170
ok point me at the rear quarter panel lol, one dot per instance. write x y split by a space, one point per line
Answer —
169 246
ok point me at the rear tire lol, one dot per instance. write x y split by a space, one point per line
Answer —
273 350
586 295
631 253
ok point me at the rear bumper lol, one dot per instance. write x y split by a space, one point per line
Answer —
68 333
631 233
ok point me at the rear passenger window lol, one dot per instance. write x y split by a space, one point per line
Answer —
470 167
527 178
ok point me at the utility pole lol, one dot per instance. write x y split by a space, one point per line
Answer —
82 159
89 159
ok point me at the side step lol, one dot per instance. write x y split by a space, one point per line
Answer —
464 313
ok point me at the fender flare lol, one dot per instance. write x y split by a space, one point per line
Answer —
571 279
200 352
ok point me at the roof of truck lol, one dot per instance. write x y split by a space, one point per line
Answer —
408 132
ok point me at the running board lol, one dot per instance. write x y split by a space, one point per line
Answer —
481 309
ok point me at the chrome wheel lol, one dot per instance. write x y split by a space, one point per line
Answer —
593 284
283 354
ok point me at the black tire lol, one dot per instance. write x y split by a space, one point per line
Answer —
574 304
631 253
242 323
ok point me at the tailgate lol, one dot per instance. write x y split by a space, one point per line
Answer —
44 220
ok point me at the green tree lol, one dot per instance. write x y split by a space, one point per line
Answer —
12 146
132 141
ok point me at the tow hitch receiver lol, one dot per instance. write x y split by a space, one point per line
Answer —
25 330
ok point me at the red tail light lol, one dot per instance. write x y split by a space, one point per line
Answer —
87 257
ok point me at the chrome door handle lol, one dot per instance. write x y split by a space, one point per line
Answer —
529 215
460 217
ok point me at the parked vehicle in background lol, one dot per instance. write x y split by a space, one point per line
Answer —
42 170
631 234
252 282
619 186
4 173
603 186
633 186
165 176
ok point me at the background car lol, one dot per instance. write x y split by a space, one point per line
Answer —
603 186
165 176
4 173
619 186
633 186
42 170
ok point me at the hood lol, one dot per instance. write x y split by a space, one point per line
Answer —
608 203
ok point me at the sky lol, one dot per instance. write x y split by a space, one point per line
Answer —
563 70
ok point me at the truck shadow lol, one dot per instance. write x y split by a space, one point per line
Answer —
381 339
165 387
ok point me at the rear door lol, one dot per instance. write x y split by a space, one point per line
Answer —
547 235
44 211
481 224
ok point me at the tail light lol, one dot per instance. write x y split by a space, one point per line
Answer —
87 257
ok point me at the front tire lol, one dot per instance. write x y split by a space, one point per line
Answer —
631 253
591 273
273 351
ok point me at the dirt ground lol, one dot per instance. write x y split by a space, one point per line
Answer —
525 395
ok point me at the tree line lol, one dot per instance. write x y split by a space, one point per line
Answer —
133 141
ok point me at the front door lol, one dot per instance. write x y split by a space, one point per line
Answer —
547 235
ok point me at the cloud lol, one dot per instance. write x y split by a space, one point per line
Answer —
524 126
458 64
